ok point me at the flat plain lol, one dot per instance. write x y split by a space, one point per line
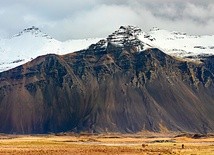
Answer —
111 144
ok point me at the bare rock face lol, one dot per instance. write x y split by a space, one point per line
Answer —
107 88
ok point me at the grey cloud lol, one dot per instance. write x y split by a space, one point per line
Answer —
66 19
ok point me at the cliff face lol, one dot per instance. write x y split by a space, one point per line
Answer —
107 89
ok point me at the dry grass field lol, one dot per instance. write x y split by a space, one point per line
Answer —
105 144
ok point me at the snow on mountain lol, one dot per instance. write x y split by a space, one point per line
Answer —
31 43
179 44
173 43
128 35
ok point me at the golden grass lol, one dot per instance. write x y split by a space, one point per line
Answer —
104 144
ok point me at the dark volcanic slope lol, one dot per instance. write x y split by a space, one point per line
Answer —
107 89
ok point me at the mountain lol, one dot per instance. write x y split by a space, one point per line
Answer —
119 84
31 43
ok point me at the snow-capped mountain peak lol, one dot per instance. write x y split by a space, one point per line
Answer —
126 36
31 43
124 33
33 31
174 43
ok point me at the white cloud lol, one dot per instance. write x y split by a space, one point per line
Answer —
200 13
97 22
66 19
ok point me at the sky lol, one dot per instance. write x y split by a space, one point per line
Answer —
70 19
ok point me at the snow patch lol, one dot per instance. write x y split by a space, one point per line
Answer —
179 44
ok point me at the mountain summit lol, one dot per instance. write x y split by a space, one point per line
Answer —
111 86
126 36
31 43
35 31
